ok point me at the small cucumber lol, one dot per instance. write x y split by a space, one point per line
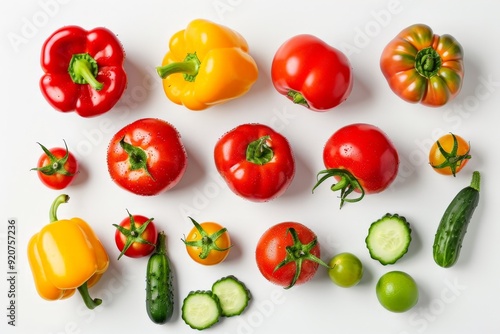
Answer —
388 238
453 226
159 290
233 295
201 309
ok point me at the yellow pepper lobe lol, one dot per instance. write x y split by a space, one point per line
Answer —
100 253
44 287
66 253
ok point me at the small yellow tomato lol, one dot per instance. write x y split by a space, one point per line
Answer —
207 243
449 154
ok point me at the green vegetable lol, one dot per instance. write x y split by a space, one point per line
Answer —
201 309
388 238
453 226
159 289
233 295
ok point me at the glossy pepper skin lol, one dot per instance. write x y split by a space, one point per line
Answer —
207 64
256 162
83 70
66 255
422 67
312 73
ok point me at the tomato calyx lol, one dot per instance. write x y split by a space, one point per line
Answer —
297 98
451 159
133 234
55 165
137 158
297 253
207 243
427 62
347 184
259 152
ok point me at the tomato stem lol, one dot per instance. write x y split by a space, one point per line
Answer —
133 234
347 183
137 157
451 159
427 62
298 253
207 242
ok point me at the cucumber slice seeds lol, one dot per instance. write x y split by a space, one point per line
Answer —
201 309
233 295
388 238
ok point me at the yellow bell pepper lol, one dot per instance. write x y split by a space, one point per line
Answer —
207 64
66 255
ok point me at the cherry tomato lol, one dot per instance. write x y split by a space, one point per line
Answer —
288 254
256 162
57 167
147 157
136 236
346 270
208 243
361 158
449 154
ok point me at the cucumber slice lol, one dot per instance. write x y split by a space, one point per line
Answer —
201 309
388 238
233 295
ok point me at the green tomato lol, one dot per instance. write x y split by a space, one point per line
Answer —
397 291
346 270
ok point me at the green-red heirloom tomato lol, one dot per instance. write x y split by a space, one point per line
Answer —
422 67
256 162
362 159
288 254
147 157
57 167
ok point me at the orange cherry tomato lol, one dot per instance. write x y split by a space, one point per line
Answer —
449 154
207 243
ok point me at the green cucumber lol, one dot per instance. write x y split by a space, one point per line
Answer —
453 225
201 309
388 238
233 295
159 290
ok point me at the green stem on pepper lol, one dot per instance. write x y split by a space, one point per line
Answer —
189 67
83 70
259 152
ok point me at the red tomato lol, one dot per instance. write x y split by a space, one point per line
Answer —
135 236
361 158
256 162
57 167
288 253
147 157
312 73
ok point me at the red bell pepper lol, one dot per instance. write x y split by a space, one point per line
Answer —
256 162
83 70
312 73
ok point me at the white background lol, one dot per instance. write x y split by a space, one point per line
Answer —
462 299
